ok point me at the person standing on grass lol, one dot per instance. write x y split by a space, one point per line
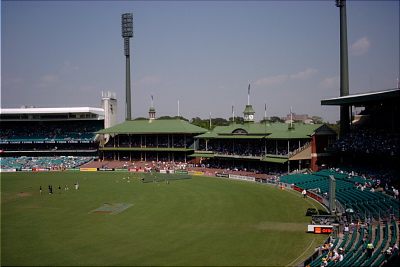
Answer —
40 189
59 189
76 185
66 187
304 192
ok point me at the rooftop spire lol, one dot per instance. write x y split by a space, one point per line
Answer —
152 110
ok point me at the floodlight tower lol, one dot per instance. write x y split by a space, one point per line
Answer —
344 69
127 32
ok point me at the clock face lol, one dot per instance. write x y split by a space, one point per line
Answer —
250 117
246 116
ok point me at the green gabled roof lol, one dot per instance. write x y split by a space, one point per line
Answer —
262 130
299 131
153 127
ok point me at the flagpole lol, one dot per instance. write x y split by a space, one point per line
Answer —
178 108
291 117
248 94
265 110
233 114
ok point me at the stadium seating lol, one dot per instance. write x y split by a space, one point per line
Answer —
362 202
352 193
49 131
44 162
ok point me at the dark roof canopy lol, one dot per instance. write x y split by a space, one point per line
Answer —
364 99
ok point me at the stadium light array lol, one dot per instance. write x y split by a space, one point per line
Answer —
127 32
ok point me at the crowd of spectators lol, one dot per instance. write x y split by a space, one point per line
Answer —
254 148
386 178
333 255
151 140
243 167
53 163
369 141
92 146
46 131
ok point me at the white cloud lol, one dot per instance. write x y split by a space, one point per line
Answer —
272 80
330 82
304 75
68 67
150 79
49 78
46 81
7 80
280 79
360 47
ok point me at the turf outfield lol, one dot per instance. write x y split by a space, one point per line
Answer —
110 221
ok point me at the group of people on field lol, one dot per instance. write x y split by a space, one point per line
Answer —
59 188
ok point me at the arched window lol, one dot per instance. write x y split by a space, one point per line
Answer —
239 131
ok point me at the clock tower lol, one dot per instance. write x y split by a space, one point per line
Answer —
248 113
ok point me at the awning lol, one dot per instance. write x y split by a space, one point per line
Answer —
144 149
275 160
203 155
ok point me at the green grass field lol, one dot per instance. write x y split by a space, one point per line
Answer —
197 221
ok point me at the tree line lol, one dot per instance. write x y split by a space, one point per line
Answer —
211 123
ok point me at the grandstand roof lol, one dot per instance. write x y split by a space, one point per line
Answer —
387 95
16 111
263 130
153 127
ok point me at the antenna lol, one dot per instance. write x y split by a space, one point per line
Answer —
152 100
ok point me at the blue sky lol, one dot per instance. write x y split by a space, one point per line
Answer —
200 53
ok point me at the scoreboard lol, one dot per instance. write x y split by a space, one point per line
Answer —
320 229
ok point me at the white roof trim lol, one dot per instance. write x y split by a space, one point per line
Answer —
98 111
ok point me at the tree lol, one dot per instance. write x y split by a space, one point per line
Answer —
172 118
164 118
204 125
238 120
275 119
219 122
317 119
195 120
